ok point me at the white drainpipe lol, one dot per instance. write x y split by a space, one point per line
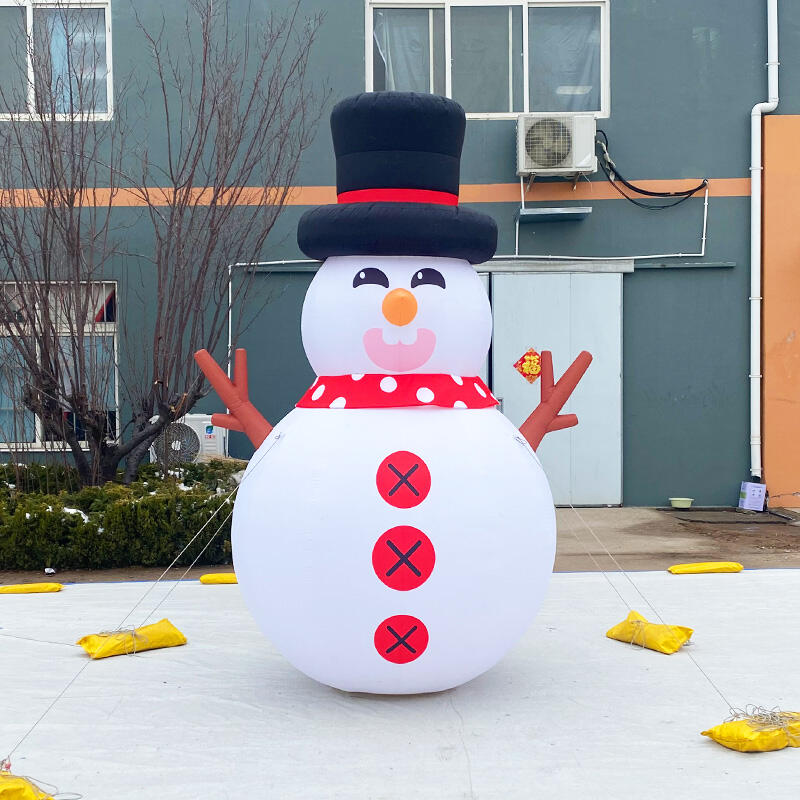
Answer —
756 169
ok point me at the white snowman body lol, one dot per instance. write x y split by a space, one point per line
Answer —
394 550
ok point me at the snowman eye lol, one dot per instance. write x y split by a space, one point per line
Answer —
428 276
370 275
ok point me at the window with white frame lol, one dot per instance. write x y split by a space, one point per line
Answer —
55 58
96 364
495 57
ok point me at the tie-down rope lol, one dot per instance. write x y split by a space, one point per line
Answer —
628 578
6 762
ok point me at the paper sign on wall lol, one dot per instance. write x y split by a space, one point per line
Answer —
752 496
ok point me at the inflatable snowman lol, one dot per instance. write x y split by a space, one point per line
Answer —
395 533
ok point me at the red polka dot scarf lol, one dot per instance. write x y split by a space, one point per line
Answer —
397 391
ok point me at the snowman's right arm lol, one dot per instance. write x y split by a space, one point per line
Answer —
547 416
243 415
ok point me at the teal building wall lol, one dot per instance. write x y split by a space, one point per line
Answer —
684 76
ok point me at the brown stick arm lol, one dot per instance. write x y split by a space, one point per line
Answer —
243 415
547 416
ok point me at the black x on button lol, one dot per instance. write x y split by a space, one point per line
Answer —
403 479
403 558
401 638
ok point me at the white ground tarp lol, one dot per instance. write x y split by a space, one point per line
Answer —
567 714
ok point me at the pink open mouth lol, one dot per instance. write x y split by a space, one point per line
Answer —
399 357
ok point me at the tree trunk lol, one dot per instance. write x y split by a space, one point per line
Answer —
135 458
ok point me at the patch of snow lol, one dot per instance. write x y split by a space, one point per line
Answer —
77 511
27 515
11 485
49 508
184 488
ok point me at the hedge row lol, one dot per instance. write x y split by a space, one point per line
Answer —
36 478
144 524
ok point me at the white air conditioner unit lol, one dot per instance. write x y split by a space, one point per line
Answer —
556 144
212 438
191 438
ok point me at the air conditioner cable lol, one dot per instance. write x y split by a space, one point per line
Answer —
613 175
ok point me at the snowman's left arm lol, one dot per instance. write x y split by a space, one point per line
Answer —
243 415
547 416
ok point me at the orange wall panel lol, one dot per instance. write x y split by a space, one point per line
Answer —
781 311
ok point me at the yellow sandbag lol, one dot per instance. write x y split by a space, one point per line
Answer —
120 643
705 566
30 588
637 630
758 732
13 787
219 577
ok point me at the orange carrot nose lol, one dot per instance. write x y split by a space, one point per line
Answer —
399 307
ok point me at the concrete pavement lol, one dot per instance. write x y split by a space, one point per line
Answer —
648 539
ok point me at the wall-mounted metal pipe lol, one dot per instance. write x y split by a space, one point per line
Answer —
549 257
231 267
756 169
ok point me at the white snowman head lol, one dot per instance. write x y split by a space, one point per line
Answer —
396 314
397 292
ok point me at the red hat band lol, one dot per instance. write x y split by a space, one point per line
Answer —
398 196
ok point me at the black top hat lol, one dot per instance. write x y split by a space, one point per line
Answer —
397 167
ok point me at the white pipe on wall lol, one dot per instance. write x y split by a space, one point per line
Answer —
549 257
231 267
280 262
756 169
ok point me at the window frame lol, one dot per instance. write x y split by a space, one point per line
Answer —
448 5
88 116
39 443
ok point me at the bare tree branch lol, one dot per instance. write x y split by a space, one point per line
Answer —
233 114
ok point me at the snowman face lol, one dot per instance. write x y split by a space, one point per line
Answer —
394 314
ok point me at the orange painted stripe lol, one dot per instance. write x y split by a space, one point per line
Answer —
547 192
325 195
162 196
595 190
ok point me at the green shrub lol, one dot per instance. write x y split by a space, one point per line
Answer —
39 478
144 524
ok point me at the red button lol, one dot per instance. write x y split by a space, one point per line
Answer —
403 558
401 639
403 479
